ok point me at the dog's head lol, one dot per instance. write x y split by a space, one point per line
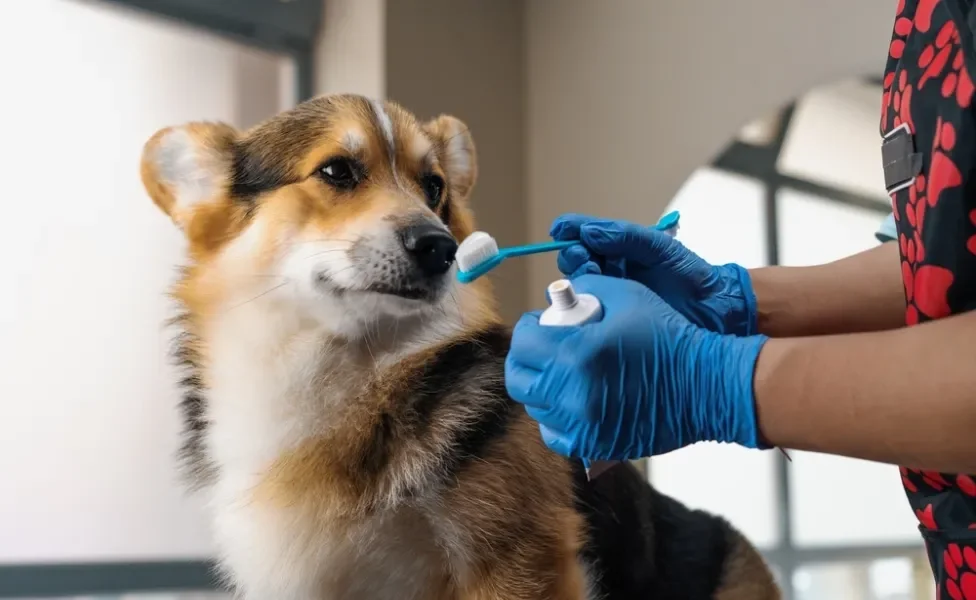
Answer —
342 210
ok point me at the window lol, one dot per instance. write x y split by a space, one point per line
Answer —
833 139
812 171
737 483
722 217
723 220
845 502
814 230
902 578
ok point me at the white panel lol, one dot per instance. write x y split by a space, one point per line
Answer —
88 420
722 217
834 139
844 501
722 220
815 231
836 581
731 481
761 131
898 578
838 500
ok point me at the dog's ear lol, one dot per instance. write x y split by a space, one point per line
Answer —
187 170
457 153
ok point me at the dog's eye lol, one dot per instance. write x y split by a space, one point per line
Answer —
341 172
433 187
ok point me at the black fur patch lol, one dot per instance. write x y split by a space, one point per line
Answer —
446 210
645 544
432 391
267 157
440 377
497 411
252 176
376 454
198 468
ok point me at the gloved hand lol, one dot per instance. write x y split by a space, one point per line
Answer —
719 298
642 381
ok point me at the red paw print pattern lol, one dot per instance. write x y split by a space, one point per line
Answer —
932 480
966 484
971 242
927 286
960 567
901 97
944 52
928 90
926 517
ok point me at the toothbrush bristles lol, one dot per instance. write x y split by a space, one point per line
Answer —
475 250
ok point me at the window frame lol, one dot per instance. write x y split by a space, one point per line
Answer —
759 162
289 27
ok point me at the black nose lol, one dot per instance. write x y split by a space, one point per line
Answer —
431 248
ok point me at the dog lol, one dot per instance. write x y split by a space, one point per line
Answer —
345 410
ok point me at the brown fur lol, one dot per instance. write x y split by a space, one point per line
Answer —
746 576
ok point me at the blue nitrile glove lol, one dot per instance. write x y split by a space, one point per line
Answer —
642 381
719 298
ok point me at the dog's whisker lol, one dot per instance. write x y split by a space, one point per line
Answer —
458 306
321 252
323 241
262 294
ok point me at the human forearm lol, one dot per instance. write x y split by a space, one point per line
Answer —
860 293
906 397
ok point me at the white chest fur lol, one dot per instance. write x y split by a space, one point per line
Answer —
265 397
283 555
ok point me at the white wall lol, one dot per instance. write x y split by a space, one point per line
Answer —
351 54
466 58
88 425
627 97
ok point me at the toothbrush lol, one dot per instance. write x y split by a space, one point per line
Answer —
479 253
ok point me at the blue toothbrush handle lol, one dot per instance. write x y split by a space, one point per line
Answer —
668 221
536 248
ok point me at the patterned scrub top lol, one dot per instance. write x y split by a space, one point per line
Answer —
928 99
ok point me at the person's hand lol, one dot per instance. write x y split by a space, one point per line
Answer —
719 298
642 381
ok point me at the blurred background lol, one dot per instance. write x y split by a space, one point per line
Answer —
757 119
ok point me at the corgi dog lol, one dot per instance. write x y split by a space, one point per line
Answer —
345 409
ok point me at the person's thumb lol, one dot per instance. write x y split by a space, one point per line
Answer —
642 245
622 299
557 442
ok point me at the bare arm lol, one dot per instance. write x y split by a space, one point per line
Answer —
906 396
861 293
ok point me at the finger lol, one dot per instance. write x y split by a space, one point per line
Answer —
521 382
614 267
533 345
567 226
543 416
630 241
615 293
589 268
570 259
557 442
